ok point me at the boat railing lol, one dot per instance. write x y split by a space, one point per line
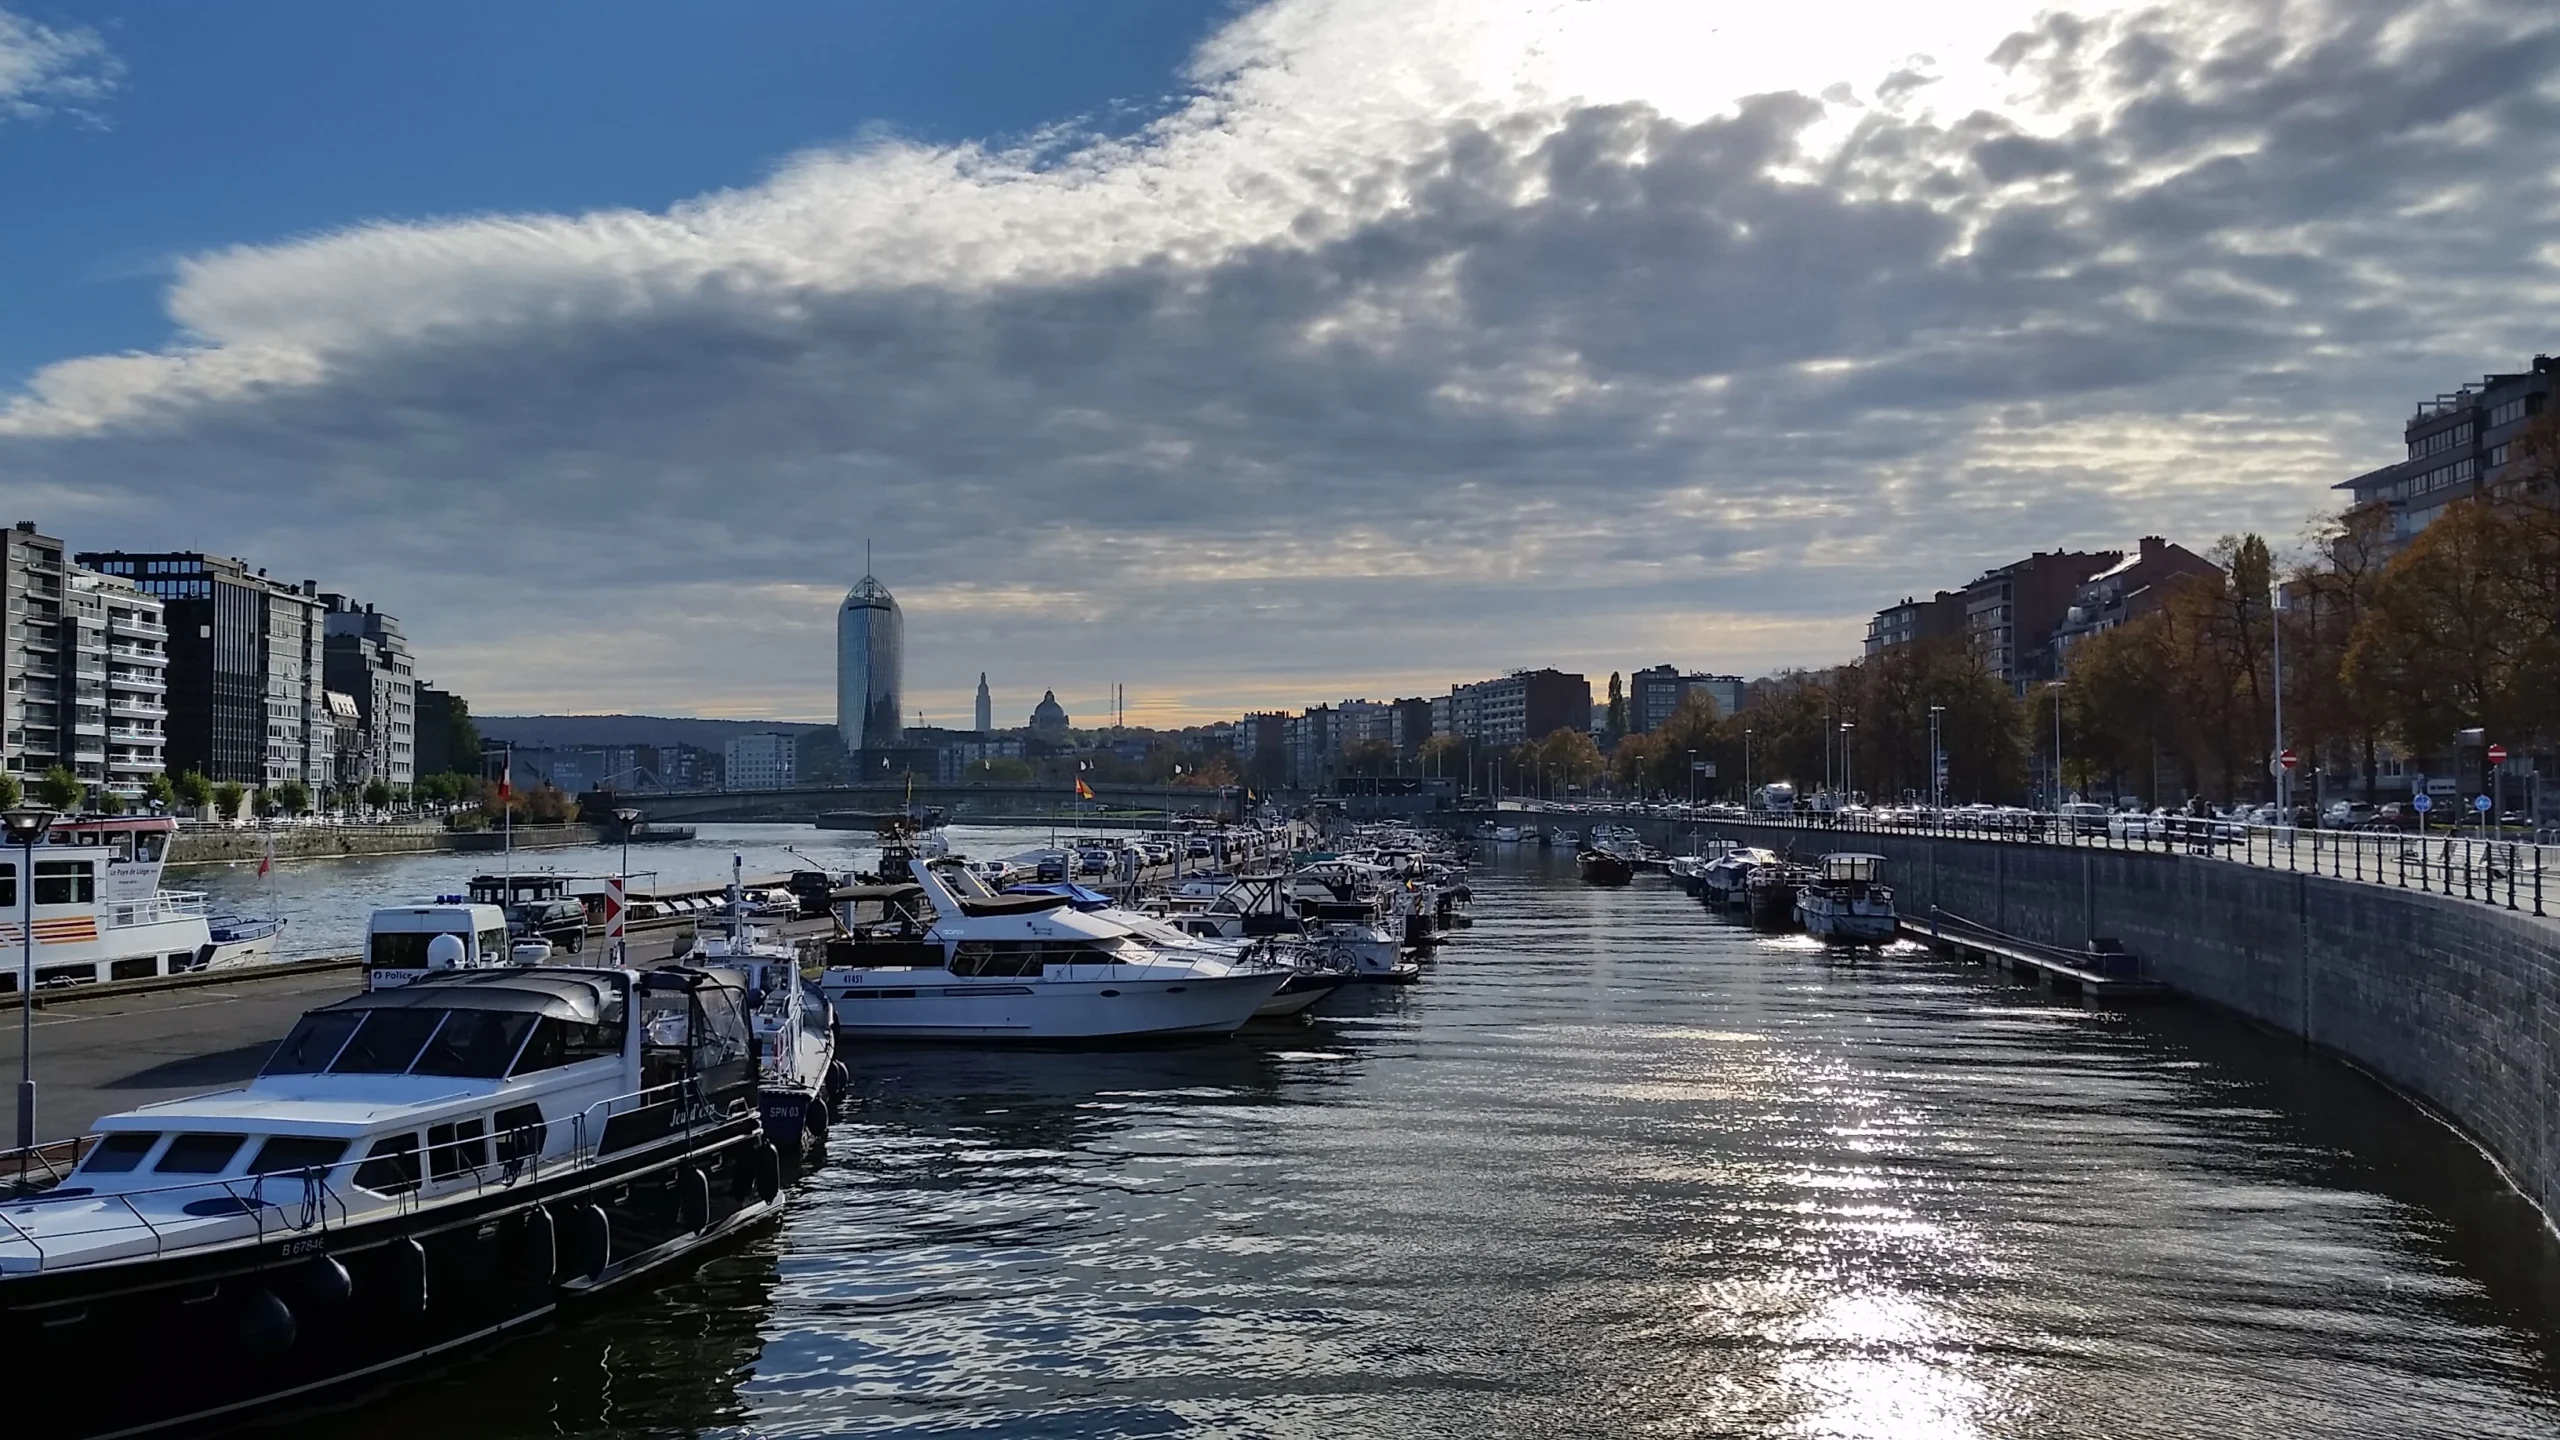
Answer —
164 906
313 1202
309 1202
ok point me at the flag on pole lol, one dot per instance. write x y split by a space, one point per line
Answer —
1083 791
267 862
506 778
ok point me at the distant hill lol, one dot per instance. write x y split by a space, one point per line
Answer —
538 731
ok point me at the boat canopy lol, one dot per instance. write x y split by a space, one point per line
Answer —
562 997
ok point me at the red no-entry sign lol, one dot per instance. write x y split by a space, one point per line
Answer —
2285 758
2497 754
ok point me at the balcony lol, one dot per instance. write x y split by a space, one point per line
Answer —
139 629
137 709
146 682
136 764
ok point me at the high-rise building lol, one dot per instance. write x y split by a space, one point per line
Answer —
2011 613
115 700
1521 706
1656 694
761 762
247 700
870 666
365 658
2457 443
986 706
31 650
85 669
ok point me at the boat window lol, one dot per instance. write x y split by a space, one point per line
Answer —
290 1153
8 886
452 1149
387 1043
391 1166
149 845
474 1044
1020 957
520 1133
724 1034
199 1155
558 1042
493 944
316 1040
66 882
401 949
119 1153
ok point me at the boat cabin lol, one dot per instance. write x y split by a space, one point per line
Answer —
1843 872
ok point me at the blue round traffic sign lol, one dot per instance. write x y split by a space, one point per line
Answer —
2480 803
2422 803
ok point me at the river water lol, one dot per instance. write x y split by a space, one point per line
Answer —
1614 1168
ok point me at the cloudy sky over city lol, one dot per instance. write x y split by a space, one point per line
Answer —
1246 355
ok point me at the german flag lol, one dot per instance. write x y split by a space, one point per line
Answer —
1083 791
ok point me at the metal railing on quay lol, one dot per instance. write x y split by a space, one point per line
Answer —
2494 870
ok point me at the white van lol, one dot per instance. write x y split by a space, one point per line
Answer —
396 939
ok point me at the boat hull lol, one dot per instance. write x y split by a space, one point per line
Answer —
933 1005
320 1314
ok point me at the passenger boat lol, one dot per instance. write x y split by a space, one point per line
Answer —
960 962
1726 880
798 1078
1843 901
1604 867
101 915
419 1170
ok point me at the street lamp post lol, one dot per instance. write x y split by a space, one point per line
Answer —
25 827
1693 785
1937 761
629 818
1848 773
1748 800
2053 692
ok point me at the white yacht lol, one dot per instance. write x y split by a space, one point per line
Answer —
798 1078
976 965
418 1170
101 915
1843 901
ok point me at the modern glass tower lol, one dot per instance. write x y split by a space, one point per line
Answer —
871 652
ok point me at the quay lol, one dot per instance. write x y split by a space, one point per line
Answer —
2102 971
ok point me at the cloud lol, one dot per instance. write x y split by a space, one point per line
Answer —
44 71
1415 345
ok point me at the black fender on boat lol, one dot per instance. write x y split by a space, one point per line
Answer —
407 1263
693 1198
324 1284
266 1326
538 1246
595 1240
768 1165
814 1118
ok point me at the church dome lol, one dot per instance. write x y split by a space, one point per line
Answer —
1049 715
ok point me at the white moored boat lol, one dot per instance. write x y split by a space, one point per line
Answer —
1725 881
798 1078
975 965
418 1170
100 913
1844 902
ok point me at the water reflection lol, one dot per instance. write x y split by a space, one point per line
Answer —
1618 1169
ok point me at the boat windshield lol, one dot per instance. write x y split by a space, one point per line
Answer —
474 1044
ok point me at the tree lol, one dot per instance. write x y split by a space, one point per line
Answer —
1617 721
10 795
1369 758
193 790
1570 758
293 797
110 803
61 790
159 791
462 738
227 797
377 794
2436 652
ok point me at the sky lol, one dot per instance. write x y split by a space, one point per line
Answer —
1249 356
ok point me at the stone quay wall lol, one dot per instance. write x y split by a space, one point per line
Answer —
207 846
2453 1002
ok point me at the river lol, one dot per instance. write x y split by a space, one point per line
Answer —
1614 1168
